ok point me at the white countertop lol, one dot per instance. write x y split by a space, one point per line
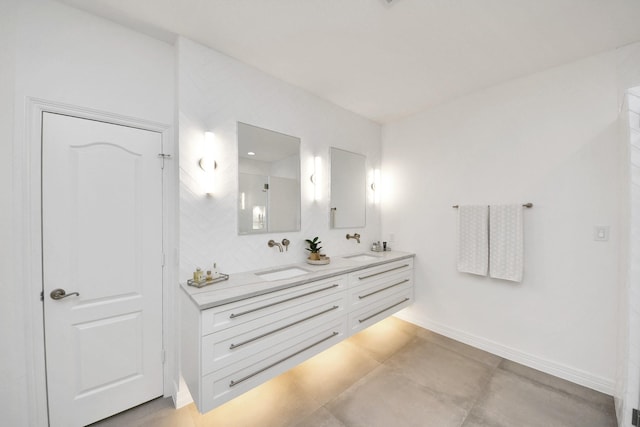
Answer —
247 284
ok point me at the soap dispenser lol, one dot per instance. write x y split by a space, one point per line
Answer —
215 273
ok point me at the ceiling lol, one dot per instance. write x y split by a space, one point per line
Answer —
387 61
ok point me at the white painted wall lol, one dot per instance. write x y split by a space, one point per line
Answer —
551 139
215 92
13 402
70 57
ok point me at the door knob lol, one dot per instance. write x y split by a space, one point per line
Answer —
61 293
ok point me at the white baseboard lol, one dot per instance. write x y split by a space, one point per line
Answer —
181 396
559 370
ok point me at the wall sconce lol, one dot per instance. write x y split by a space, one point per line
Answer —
207 162
316 177
375 186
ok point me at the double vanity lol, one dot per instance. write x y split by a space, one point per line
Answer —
242 332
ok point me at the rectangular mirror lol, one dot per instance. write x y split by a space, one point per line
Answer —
268 181
348 189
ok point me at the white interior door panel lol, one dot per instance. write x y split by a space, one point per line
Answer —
102 239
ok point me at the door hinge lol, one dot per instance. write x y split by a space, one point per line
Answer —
634 417
163 356
162 259
164 157
41 295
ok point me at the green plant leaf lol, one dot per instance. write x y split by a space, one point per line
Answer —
313 245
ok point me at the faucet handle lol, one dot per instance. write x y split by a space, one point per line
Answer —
285 243
271 243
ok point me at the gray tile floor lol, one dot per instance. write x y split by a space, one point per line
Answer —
395 374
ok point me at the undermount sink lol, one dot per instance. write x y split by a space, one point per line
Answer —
362 257
283 273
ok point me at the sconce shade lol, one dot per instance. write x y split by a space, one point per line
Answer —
207 163
316 178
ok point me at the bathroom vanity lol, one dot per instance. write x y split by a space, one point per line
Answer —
243 332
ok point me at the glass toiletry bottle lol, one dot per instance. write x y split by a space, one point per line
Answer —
215 271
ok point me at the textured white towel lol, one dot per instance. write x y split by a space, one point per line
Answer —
473 239
506 242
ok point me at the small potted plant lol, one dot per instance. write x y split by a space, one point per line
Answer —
314 248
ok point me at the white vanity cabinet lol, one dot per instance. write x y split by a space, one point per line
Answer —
232 344
236 346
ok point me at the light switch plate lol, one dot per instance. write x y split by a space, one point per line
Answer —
601 233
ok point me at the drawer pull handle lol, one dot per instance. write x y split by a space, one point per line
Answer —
233 346
233 315
383 289
382 272
233 383
382 311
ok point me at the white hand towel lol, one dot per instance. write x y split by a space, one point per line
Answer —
506 242
473 239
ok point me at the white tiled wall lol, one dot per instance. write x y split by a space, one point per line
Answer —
215 92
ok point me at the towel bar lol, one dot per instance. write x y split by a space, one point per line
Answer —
525 205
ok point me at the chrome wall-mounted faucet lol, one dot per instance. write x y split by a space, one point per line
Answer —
355 236
273 243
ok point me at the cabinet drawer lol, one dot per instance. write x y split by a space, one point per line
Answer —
232 345
367 315
228 315
233 380
380 287
380 272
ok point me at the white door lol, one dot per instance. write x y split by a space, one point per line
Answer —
102 239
